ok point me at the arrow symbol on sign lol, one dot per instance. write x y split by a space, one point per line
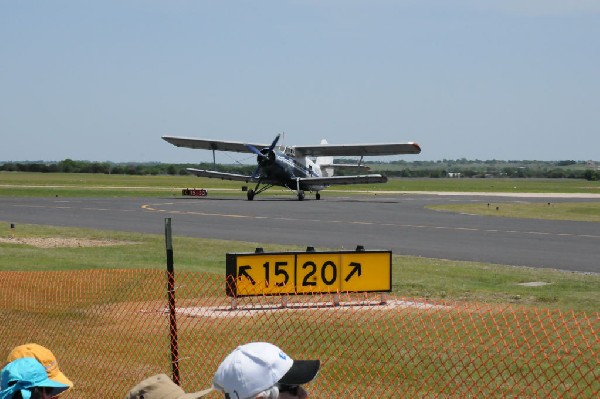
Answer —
243 272
356 269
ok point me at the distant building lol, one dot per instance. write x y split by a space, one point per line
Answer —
592 165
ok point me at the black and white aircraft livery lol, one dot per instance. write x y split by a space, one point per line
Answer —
292 167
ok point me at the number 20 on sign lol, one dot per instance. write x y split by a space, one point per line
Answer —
251 274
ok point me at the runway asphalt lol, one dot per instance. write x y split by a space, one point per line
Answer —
396 222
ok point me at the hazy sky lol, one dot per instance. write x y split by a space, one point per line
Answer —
476 79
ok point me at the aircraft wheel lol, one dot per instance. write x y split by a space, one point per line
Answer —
250 195
318 196
301 196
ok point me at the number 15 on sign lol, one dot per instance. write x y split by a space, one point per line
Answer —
265 274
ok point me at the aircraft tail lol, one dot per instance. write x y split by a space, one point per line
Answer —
325 163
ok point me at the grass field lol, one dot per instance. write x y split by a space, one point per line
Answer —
579 211
445 358
91 185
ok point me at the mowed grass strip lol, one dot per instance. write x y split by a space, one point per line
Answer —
494 185
577 211
18 184
413 277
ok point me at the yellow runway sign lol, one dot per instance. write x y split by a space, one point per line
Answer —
281 273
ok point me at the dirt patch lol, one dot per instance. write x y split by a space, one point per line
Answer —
228 311
534 284
61 242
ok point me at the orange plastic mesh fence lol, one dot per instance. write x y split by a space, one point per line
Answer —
110 329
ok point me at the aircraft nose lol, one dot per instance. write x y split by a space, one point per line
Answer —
266 157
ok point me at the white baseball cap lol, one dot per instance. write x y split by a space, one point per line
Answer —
257 366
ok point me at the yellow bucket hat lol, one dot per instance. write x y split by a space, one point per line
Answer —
44 356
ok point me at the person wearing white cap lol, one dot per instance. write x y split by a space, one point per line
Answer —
262 370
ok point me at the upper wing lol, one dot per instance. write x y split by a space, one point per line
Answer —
356 149
358 179
217 145
220 175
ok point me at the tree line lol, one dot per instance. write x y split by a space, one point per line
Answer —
432 169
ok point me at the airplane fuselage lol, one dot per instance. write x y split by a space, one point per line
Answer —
285 171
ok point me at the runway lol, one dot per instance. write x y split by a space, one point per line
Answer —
396 222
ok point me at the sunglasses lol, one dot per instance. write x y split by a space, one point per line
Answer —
38 392
291 389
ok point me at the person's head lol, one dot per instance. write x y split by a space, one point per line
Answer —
161 387
44 356
26 378
36 393
262 370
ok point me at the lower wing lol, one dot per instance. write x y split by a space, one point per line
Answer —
346 166
358 179
220 175
326 181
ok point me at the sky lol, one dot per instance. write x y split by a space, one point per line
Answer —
475 79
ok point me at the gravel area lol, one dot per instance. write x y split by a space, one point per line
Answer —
61 242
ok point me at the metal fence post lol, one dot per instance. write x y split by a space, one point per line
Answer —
171 299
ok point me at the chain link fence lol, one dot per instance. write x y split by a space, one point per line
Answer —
112 328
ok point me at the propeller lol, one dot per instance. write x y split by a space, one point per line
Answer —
274 143
265 156
262 153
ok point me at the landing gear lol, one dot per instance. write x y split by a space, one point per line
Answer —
300 192
257 190
318 196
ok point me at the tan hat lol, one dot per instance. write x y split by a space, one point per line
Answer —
44 356
161 387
